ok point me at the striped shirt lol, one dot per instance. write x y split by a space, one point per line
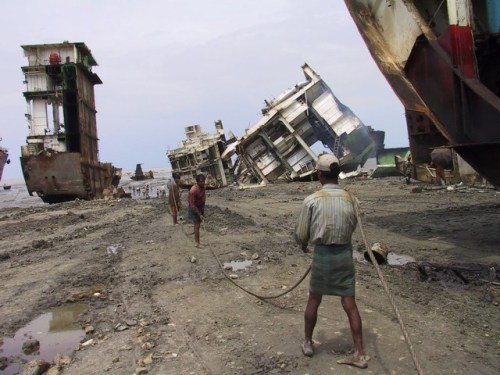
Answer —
327 217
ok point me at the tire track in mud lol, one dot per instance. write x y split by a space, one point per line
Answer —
128 294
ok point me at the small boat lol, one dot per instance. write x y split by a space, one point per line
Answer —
6 187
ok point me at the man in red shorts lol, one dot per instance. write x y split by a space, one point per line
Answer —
196 206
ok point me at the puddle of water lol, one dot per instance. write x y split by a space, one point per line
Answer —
114 249
358 256
398 259
56 331
238 265
392 258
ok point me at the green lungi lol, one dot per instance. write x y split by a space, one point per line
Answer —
332 270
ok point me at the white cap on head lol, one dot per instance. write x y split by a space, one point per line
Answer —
324 162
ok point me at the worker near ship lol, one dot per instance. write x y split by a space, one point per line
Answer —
174 197
327 219
441 159
196 206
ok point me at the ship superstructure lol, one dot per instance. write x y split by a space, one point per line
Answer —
283 144
60 159
200 153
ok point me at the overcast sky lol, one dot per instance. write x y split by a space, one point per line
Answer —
168 64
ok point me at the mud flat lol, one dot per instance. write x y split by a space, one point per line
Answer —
154 302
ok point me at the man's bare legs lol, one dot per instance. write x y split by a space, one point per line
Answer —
310 318
174 216
440 176
197 233
355 323
351 309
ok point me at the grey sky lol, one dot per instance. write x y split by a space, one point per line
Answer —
167 64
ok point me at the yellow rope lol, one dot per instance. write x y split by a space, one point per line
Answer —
377 268
246 290
386 288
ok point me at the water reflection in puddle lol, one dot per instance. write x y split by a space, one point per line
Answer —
237 265
56 331
392 258
398 259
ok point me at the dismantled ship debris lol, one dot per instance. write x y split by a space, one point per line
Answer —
442 59
302 122
283 145
4 159
201 153
60 160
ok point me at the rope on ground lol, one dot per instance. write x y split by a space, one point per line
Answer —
248 291
388 292
261 297
377 268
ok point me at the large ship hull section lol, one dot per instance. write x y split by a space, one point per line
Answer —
56 178
60 160
417 55
62 177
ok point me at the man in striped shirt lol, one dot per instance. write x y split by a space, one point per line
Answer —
174 197
327 220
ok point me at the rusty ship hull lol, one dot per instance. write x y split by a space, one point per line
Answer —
60 159
63 177
442 59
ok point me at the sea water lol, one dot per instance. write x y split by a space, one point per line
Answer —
18 196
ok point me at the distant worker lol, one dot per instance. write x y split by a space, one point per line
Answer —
174 197
196 206
327 220
441 159
408 169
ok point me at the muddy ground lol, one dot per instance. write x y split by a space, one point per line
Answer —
159 305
